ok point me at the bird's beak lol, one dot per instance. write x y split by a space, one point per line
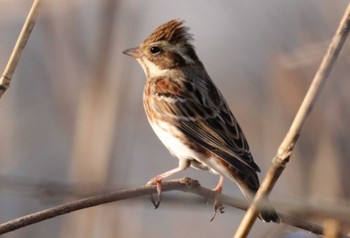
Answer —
133 52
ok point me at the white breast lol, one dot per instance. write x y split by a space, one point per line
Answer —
168 135
181 151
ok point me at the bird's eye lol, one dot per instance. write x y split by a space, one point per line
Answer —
155 50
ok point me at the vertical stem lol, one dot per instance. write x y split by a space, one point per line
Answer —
332 228
285 150
19 47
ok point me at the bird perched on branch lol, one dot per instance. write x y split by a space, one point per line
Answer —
190 115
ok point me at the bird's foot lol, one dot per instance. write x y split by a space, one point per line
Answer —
217 204
156 199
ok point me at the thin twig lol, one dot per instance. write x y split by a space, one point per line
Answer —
181 184
22 40
285 150
184 184
80 204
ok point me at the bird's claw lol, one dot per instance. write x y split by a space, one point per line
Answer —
156 199
217 204
217 207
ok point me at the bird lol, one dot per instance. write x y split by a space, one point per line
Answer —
190 115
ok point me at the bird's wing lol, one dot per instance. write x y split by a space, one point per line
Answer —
201 113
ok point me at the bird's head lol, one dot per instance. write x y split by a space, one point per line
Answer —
166 48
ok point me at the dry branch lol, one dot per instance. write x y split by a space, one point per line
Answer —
184 184
22 40
286 148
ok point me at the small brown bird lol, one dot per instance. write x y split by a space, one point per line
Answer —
189 114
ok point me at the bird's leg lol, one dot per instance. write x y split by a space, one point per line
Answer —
218 205
157 180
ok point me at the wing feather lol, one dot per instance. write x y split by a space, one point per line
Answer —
201 113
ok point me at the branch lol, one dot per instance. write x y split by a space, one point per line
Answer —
19 47
285 150
184 185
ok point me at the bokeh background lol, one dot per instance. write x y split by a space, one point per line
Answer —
72 122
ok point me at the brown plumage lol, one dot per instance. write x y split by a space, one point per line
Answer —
173 31
190 115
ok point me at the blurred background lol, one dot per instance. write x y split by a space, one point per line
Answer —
72 122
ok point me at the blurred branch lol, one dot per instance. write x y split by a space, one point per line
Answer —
286 148
19 47
332 228
184 184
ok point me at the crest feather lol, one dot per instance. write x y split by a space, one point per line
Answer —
173 31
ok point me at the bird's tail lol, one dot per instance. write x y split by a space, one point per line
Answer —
269 214
249 185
